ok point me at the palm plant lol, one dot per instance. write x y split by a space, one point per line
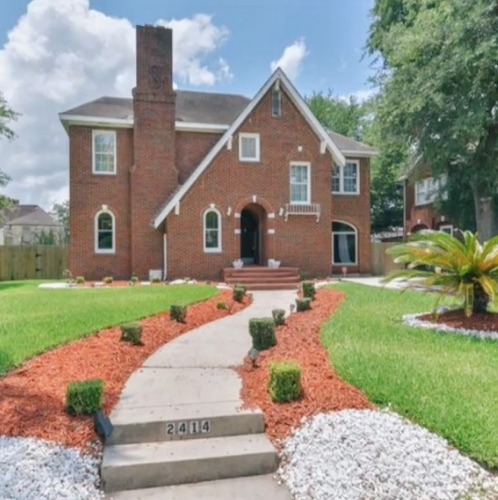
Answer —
441 262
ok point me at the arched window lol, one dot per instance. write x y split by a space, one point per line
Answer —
212 230
344 244
105 232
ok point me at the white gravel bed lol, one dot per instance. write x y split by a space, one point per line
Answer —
33 469
413 320
365 454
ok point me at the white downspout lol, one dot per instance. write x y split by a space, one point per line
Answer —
165 252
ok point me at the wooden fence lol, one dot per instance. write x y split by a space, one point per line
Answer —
32 262
382 263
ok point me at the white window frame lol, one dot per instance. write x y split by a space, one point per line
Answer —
247 135
341 179
430 188
95 133
217 249
353 231
442 228
96 233
306 164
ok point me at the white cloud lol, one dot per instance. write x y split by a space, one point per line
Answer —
360 95
291 59
62 53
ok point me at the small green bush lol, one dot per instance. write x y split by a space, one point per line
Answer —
285 381
309 289
262 331
222 305
108 280
155 280
303 304
134 280
84 398
80 280
278 316
132 332
239 292
178 313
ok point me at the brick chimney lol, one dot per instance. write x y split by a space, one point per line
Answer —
154 175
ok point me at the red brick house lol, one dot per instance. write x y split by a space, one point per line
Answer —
421 189
185 183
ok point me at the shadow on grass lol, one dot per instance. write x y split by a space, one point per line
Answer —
6 285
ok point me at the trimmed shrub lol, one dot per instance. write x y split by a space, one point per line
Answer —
222 306
278 316
80 280
134 280
303 304
262 331
108 280
155 280
132 332
285 381
309 289
178 313
84 398
239 292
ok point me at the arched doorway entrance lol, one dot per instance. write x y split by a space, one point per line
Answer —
252 234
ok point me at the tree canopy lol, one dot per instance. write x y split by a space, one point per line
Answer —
6 115
439 92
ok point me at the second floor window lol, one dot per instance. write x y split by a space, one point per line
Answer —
104 152
427 190
345 179
300 192
276 103
248 147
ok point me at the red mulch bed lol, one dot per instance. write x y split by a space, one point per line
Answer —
457 319
32 397
299 340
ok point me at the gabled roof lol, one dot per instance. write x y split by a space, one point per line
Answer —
28 215
350 147
191 107
298 101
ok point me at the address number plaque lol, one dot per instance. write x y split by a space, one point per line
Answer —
188 427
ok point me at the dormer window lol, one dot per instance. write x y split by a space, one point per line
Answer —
276 103
248 147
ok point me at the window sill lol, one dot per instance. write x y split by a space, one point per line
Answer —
103 173
354 264
246 160
340 193
215 250
105 252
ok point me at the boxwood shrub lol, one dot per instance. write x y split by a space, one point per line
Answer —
278 316
285 381
84 398
262 331
239 292
309 289
132 332
178 313
303 304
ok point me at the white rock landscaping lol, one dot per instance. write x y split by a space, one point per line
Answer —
365 454
33 469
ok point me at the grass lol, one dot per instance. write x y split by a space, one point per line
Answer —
446 383
34 320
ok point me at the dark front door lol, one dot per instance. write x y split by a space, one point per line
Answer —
249 237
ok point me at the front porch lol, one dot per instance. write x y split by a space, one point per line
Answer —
263 278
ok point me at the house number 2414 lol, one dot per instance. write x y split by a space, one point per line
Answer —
188 427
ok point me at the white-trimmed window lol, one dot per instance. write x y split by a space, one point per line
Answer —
276 103
300 185
446 228
105 232
428 189
104 152
212 230
249 149
344 244
346 178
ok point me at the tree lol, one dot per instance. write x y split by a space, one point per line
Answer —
357 120
61 213
439 91
6 115
448 266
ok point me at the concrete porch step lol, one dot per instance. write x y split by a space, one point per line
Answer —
183 421
231 271
147 465
263 487
263 279
272 286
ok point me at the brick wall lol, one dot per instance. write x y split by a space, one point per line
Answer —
88 192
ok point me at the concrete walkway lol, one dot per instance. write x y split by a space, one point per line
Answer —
189 378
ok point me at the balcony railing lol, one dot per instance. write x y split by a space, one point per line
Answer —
301 209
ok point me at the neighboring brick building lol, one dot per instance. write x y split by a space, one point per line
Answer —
185 183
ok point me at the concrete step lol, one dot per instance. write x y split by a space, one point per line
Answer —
230 271
272 286
263 487
263 279
147 465
181 422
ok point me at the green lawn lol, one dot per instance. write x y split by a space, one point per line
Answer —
447 383
34 320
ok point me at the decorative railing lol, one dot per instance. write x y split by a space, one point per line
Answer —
299 209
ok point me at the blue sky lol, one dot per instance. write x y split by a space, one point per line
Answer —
223 46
